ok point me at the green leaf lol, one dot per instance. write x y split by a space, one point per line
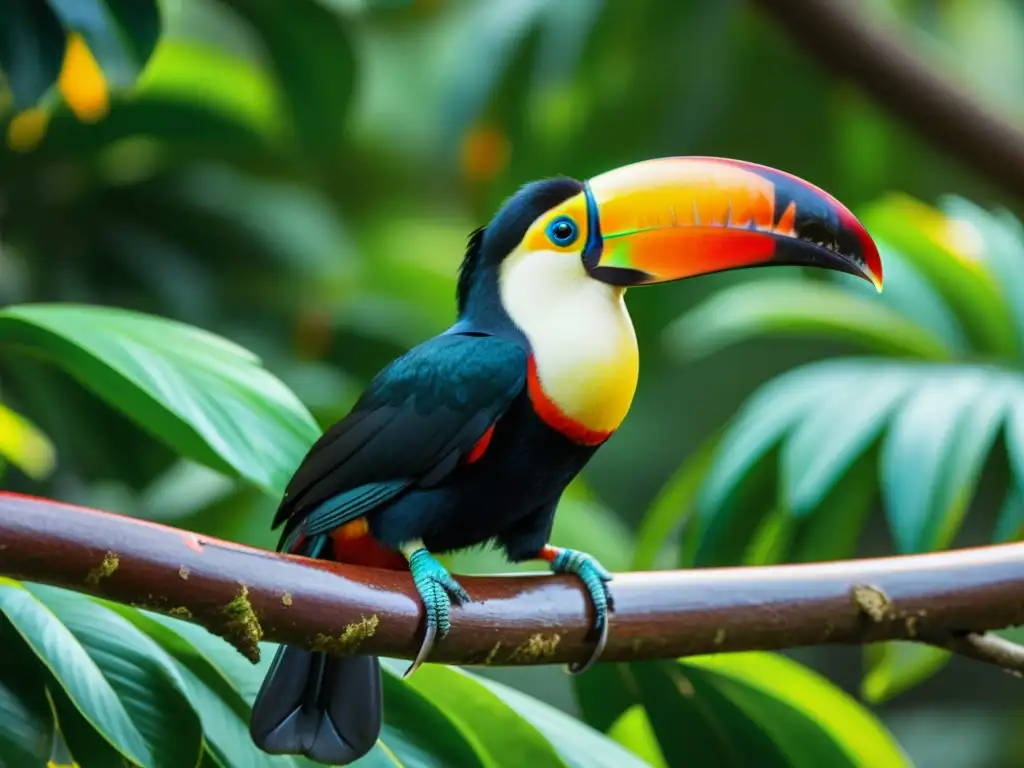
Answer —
847 414
934 451
734 494
633 731
578 745
932 244
1015 435
831 530
895 667
507 738
673 504
186 71
603 694
806 715
680 700
78 674
1010 523
310 52
908 292
146 681
799 307
208 399
31 49
760 424
24 445
26 719
417 731
221 686
225 685
772 538
1002 237
120 34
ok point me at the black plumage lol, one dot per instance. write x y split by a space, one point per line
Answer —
399 459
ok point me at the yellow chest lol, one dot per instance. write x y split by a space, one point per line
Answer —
585 362
589 385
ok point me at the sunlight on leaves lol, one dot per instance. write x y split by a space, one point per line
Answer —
895 667
207 398
24 445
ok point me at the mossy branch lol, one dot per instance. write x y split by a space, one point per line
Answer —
247 595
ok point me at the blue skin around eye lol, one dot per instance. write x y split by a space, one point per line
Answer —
557 224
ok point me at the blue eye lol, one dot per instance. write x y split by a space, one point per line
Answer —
563 231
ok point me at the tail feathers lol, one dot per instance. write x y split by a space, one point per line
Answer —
324 707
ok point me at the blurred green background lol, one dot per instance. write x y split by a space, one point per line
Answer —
302 177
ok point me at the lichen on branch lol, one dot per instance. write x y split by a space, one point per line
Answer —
248 595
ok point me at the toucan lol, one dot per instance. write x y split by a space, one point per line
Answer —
471 437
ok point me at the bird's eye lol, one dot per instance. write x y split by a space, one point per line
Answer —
563 231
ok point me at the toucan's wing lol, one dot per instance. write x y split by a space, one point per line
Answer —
415 423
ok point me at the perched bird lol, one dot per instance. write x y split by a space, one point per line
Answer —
473 435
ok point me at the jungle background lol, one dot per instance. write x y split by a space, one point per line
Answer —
301 178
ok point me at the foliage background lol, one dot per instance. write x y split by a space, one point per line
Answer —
306 189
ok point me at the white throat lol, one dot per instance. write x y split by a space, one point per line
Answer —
583 341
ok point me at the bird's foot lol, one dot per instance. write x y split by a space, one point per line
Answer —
437 589
595 578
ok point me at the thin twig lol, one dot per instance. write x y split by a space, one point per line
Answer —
838 34
247 595
988 648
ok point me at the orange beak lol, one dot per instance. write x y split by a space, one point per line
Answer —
666 219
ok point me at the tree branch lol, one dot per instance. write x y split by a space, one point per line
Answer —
990 649
837 34
247 595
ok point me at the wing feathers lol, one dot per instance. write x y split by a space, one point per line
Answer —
414 424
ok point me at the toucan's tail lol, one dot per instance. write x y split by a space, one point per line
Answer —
325 707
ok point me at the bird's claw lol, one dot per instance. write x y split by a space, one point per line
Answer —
438 589
595 578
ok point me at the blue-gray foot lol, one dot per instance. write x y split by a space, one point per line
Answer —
437 589
595 578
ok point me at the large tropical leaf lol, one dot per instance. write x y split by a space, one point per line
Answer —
478 711
75 671
998 238
31 49
735 710
145 680
127 683
936 447
207 398
578 745
953 264
937 422
27 730
800 307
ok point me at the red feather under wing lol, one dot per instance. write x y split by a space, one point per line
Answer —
352 544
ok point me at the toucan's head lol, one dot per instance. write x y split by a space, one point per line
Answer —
666 219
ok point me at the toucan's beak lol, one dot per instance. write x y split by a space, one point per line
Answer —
670 218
